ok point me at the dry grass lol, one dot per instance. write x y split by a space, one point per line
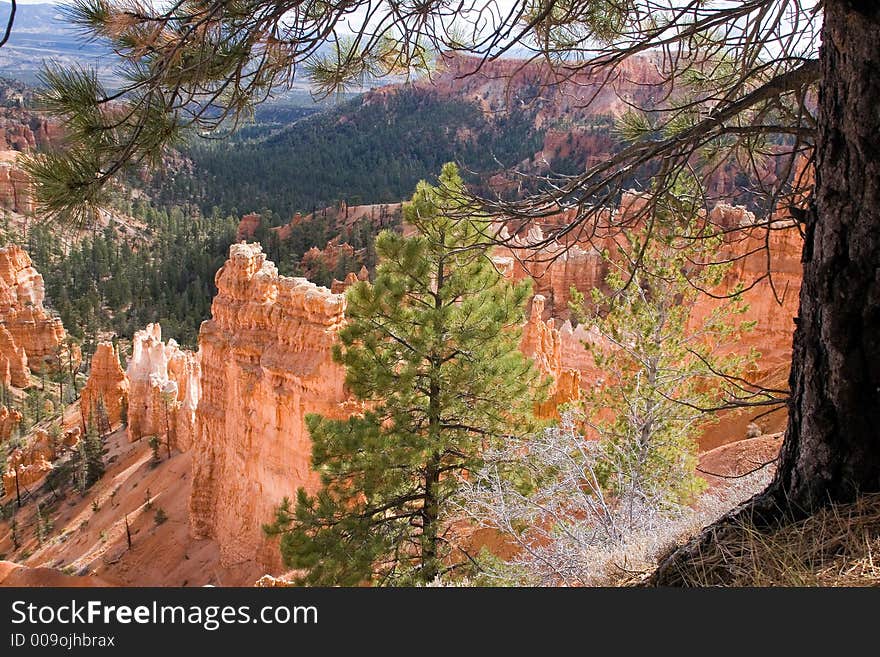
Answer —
837 546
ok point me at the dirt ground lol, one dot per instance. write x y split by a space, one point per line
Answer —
88 533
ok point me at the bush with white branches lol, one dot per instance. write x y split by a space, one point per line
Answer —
544 495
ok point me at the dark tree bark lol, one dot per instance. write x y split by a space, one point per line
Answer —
831 451
832 445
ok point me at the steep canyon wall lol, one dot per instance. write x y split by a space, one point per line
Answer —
266 362
265 358
765 261
30 337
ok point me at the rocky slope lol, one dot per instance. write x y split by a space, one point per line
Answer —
9 420
87 543
235 411
722 464
13 574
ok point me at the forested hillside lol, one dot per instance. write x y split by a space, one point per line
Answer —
113 281
108 282
299 156
373 149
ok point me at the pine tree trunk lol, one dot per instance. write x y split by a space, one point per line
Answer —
832 445
831 451
430 518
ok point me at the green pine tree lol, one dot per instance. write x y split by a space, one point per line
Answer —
101 418
663 369
431 348
88 459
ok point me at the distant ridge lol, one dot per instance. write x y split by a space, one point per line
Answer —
40 33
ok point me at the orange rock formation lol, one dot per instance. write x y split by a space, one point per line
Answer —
772 299
554 269
31 463
9 419
577 97
21 129
163 393
15 189
265 358
343 216
339 287
766 262
107 383
247 226
31 328
13 361
542 342
266 363
315 259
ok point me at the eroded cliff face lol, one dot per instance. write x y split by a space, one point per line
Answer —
22 129
768 265
30 338
25 466
107 384
266 362
31 463
247 226
558 265
340 287
265 358
542 342
13 362
582 268
164 389
15 189
577 97
765 262
9 420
